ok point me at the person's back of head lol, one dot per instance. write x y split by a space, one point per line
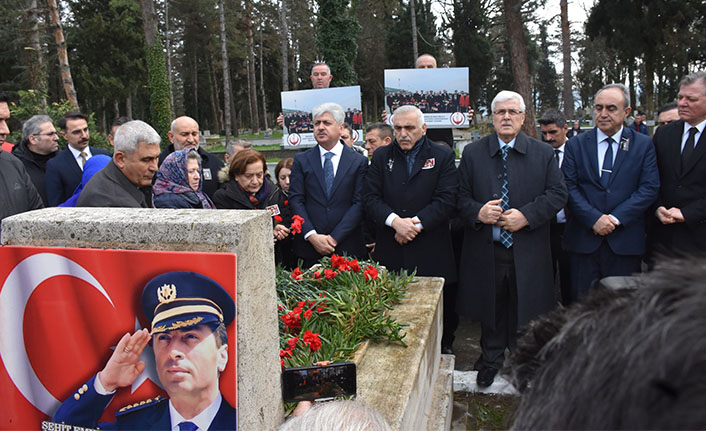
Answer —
346 415
621 359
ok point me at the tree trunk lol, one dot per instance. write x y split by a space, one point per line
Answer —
128 106
226 70
37 69
284 42
566 54
262 85
216 117
413 18
157 78
168 44
66 79
252 83
631 84
520 67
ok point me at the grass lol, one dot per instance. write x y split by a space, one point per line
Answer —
220 148
487 412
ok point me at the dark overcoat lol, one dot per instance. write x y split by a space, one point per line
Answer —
537 189
429 193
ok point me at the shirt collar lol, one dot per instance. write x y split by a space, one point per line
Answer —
202 420
77 153
511 143
699 126
336 150
602 136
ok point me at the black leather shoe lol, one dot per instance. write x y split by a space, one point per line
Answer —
485 377
447 349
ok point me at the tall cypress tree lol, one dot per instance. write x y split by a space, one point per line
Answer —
336 40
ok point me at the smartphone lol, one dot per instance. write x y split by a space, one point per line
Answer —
318 382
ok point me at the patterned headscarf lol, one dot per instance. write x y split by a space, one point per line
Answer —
172 177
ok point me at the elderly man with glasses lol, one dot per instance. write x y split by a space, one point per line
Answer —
39 143
510 190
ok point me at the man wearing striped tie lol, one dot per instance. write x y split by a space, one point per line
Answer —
611 174
510 190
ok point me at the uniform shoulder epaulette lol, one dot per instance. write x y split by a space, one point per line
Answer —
131 408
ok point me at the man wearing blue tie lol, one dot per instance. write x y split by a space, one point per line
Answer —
611 174
326 188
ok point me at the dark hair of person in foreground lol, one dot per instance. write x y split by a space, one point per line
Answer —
632 358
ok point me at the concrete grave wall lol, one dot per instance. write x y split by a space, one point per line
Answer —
411 386
248 234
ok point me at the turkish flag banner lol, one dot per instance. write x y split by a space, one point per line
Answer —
64 310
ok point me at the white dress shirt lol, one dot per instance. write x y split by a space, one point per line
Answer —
77 155
685 134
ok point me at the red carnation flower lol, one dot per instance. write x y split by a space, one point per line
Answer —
317 275
278 219
297 274
292 343
292 320
329 273
354 265
296 226
307 314
371 273
312 340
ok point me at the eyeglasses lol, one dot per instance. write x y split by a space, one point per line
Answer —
46 134
502 112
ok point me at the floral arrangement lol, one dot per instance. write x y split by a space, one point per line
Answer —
327 311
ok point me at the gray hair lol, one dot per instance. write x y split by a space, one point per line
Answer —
410 108
230 148
193 154
34 125
349 415
694 77
321 64
132 133
334 109
505 95
621 87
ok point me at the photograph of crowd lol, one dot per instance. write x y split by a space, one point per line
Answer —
430 101
441 94
297 106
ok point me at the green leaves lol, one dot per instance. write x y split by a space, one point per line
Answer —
344 302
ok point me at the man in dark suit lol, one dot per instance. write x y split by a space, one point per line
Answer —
64 171
184 133
410 195
326 188
510 190
611 174
554 129
189 314
681 149
639 124
39 144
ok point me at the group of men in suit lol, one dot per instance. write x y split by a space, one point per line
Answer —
511 190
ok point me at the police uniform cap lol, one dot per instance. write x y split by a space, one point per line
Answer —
183 299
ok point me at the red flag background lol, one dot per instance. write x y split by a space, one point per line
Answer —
57 302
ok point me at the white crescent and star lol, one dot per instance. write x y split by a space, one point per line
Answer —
16 290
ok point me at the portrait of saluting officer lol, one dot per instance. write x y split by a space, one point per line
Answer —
189 313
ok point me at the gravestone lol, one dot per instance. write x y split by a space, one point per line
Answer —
248 234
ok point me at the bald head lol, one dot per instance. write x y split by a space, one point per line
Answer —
426 61
184 133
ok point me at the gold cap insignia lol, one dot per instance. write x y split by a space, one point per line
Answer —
166 293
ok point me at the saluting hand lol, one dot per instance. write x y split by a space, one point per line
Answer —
124 365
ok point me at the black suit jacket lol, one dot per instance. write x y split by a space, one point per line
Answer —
64 175
683 189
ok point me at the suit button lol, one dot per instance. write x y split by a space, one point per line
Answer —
495 195
500 176
679 186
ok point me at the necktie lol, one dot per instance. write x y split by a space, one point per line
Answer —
84 156
607 168
328 172
187 426
556 157
505 236
688 147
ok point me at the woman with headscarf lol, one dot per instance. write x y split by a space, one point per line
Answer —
178 182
